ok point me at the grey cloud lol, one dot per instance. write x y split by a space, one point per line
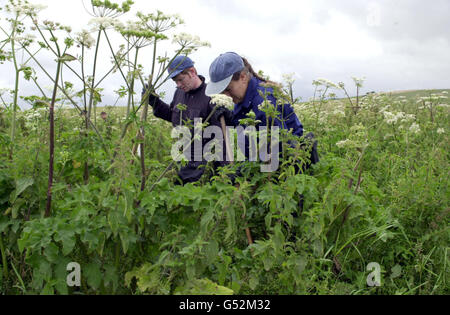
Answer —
401 19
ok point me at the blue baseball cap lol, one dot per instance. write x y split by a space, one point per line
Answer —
221 72
178 65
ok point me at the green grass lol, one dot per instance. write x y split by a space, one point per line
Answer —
412 94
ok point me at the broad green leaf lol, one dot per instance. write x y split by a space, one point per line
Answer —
21 185
52 252
202 287
268 263
190 270
127 238
111 277
61 274
147 277
48 289
278 238
68 239
254 281
300 263
16 207
206 219
93 275
396 271
211 251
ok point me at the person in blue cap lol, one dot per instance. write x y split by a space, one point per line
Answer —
190 93
233 75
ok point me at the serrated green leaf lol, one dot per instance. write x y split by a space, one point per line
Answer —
278 238
48 289
300 263
396 271
16 208
202 287
268 263
61 275
206 219
211 251
68 239
93 275
21 185
147 277
254 281
51 252
111 277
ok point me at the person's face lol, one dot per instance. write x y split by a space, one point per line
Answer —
237 89
186 82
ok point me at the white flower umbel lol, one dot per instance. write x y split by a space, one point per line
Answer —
326 83
24 40
160 23
441 131
288 78
189 43
346 144
136 33
85 39
105 22
392 118
415 128
24 8
222 100
359 81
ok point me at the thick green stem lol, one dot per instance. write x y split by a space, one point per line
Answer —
16 92
72 101
4 261
154 60
91 98
52 143
117 255
84 82
357 100
16 87
131 90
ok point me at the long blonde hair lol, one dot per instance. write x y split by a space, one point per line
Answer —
248 69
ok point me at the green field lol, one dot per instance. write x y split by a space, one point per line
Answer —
379 195
414 94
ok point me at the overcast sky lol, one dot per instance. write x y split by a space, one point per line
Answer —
396 45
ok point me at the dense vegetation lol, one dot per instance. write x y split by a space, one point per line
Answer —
379 194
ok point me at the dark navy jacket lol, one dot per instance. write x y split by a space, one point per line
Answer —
286 119
253 99
198 106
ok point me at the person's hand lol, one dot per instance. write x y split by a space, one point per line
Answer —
225 112
152 97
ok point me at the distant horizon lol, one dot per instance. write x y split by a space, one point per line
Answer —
70 106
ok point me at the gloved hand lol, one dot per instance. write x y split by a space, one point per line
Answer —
226 113
152 97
